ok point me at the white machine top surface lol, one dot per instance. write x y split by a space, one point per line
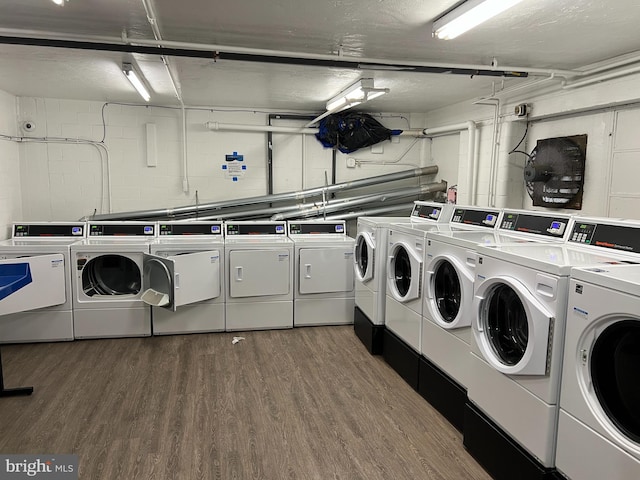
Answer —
190 240
38 242
624 278
472 238
420 228
125 240
258 240
334 239
555 258
381 221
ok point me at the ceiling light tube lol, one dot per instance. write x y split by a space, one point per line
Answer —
361 91
136 80
468 15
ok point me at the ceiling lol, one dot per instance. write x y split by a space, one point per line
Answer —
535 34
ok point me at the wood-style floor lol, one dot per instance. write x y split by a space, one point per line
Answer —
307 403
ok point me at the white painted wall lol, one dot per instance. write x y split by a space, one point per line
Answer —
10 201
608 112
67 181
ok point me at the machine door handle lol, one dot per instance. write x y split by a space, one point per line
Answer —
238 274
307 267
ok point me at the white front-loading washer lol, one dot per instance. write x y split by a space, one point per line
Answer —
35 282
324 292
450 262
107 280
599 422
201 244
370 259
259 280
520 303
405 288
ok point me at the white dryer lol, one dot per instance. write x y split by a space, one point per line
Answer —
198 247
35 282
450 262
259 280
107 280
599 424
371 269
323 272
520 303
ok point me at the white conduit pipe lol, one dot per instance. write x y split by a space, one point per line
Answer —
472 158
601 78
215 126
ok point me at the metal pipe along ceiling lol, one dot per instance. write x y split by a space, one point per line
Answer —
280 197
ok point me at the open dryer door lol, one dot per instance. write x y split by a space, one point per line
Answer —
28 283
171 282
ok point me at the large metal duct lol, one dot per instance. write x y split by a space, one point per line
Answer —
347 204
391 196
210 208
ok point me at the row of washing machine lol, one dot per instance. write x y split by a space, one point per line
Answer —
522 328
65 281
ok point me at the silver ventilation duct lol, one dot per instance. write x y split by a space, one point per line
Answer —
211 208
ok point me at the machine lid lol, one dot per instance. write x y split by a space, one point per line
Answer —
473 238
48 230
538 224
557 259
473 217
614 367
624 278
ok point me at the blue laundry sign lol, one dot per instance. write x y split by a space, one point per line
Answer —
234 168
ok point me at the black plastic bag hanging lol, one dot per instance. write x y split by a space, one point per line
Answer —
349 132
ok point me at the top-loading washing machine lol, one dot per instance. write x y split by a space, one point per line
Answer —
520 304
259 279
370 259
405 285
196 252
107 280
35 282
323 273
599 423
450 262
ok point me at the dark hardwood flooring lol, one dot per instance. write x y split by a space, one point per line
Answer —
307 403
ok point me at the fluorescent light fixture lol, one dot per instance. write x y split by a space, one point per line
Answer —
468 15
59 2
136 80
361 91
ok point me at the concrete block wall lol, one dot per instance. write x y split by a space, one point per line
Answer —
67 181
10 196
605 111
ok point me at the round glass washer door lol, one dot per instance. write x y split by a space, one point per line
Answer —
403 272
512 328
364 257
615 369
506 323
447 291
109 275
